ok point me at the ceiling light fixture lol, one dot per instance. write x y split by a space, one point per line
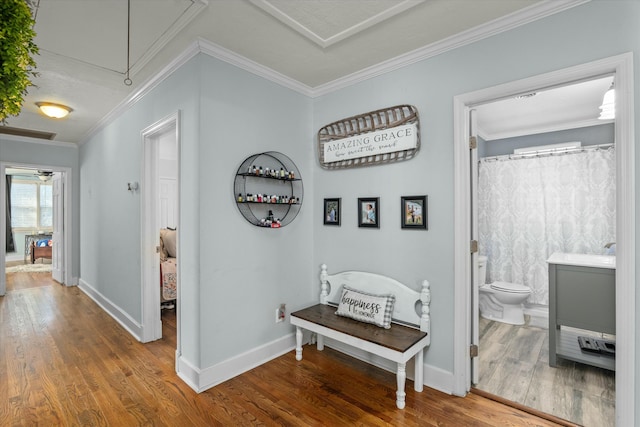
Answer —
608 107
56 111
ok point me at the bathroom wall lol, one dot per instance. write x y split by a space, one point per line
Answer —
590 135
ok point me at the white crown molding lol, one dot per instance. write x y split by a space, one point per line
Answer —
524 16
541 129
253 67
187 16
472 35
272 10
144 88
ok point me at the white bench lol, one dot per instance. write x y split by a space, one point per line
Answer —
407 337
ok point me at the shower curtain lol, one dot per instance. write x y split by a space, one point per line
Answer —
531 207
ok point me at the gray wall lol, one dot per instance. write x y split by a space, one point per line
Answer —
232 278
553 43
233 274
591 135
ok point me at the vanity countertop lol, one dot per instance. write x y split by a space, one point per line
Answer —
583 260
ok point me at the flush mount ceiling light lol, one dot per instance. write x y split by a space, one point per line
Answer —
608 107
56 111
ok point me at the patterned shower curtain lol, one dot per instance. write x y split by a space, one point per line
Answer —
531 207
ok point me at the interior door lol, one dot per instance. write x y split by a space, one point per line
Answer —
475 311
57 256
168 202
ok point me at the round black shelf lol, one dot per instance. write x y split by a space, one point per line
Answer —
268 189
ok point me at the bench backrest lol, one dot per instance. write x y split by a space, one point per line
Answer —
411 307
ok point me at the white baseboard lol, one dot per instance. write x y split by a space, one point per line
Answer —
13 256
201 380
434 377
188 373
538 315
126 321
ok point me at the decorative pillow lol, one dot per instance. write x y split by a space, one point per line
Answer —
365 307
168 243
163 250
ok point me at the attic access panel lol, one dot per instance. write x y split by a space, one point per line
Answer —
377 137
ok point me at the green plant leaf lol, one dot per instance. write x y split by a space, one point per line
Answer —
16 55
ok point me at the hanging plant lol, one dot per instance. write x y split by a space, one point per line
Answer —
16 55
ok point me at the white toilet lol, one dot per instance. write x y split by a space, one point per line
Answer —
500 301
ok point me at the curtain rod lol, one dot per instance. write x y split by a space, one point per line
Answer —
549 152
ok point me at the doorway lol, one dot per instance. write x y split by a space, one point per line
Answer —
543 187
54 220
160 210
621 68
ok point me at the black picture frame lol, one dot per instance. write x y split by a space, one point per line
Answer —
369 212
332 211
413 212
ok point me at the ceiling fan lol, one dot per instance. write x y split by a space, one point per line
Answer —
44 176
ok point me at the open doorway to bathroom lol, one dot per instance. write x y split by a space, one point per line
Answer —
621 68
546 183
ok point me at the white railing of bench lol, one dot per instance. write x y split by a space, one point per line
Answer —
404 311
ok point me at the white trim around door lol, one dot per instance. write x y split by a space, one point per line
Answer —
150 230
67 234
622 67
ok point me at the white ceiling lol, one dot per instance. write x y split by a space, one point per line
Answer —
572 106
316 44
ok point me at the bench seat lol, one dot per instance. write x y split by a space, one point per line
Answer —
398 344
398 338
407 337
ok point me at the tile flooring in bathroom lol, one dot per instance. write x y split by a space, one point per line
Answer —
514 364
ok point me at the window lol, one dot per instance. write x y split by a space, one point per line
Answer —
31 205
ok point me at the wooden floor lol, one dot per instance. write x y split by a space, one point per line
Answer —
63 361
514 363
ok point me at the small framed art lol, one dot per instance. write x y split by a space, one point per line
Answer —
414 212
332 212
369 212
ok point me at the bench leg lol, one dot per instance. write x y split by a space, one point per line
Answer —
419 371
298 343
401 377
320 343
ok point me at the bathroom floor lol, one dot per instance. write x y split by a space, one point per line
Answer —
514 364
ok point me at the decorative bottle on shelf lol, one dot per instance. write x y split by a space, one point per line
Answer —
281 173
239 197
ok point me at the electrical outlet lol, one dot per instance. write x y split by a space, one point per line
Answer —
280 313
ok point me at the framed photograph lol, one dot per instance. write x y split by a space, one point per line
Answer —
369 212
414 212
332 212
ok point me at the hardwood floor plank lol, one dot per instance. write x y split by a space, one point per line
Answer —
64 361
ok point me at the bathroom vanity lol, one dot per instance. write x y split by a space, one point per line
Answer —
582 294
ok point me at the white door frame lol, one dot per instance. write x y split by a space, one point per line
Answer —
622 67
57 267
67 208
150 228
